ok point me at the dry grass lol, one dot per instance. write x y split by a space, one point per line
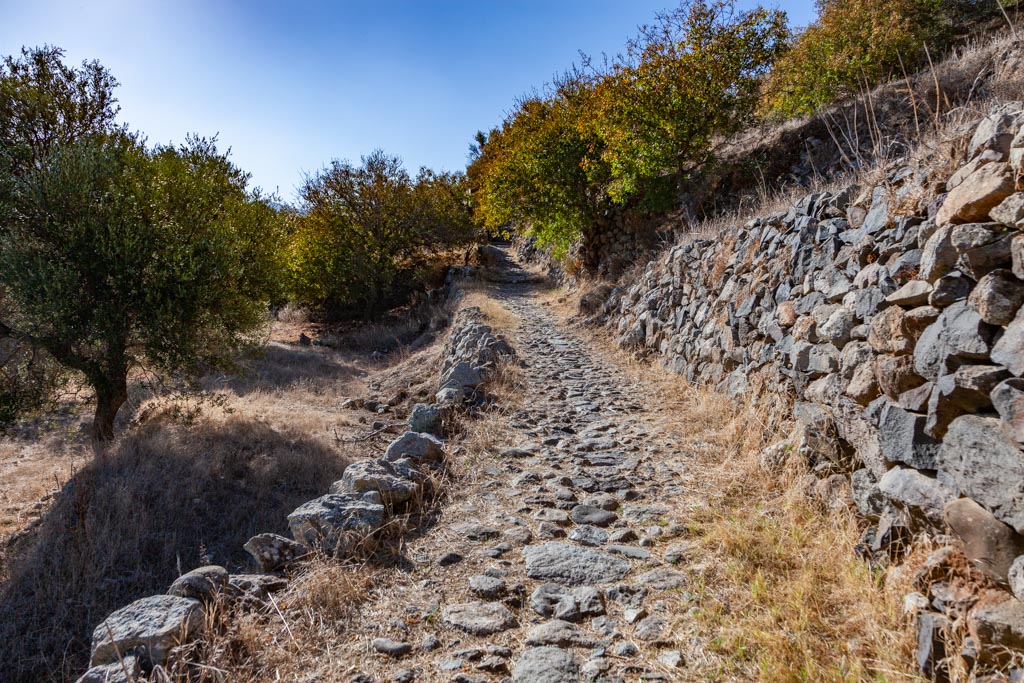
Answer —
777 593
84 536
318 628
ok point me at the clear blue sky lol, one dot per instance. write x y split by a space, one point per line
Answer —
290 85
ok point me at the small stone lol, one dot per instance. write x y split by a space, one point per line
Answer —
594 516
403 676
430 643
1008 399
546 665
673 659
998 626
997 297
391 648
448 559
479 619
622 536
476 532
629 551
487 587
625 649
417 446
663 579
588 535
204 583
633 615
1016 577
651 628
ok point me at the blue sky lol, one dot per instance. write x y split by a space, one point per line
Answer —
290 85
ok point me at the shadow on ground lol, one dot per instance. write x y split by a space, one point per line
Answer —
166 499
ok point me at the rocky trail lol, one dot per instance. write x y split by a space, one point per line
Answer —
561 565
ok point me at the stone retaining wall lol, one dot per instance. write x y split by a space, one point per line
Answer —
347 520
890 319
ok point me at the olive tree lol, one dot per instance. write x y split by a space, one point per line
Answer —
115 256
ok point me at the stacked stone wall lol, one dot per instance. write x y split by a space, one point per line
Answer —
889 318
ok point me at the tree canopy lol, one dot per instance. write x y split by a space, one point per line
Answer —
114 255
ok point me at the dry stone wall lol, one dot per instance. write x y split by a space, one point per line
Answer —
134 640
890 320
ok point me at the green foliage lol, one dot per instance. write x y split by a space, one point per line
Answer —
854 44
688 80
362 232
114 256
629 132
537 170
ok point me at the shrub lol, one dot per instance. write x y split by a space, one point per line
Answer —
853 44
360 229
691 78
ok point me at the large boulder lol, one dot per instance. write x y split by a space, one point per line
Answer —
417 446
337 522
986 466
150 627
1009 350
917 491
396 481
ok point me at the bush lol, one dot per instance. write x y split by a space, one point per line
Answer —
853 44
628 133
363 232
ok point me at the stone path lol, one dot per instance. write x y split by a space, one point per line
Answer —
561 568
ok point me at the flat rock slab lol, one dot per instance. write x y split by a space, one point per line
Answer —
572 565
558 632
479 618
663 579
153 625
546 665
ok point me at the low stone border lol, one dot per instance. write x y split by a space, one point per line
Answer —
345 521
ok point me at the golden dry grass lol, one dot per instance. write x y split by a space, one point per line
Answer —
170 494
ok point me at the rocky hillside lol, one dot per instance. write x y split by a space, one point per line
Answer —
888 316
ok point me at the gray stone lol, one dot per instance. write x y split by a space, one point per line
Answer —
594 516
126 670
997 297
1009 350
914 293
558 632
272 552
918 491
396 481
256 586
552 600
546 665
888 334
426 419
986 466
836 329
988 543
391 648
588 535
151 626
479 618
1017 255
673 659
630 551
487 587
999 626
416 446
932 630
1008 399
896 375
204 583
1016 577
663 578
967 390
572 565
338 523
902 438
